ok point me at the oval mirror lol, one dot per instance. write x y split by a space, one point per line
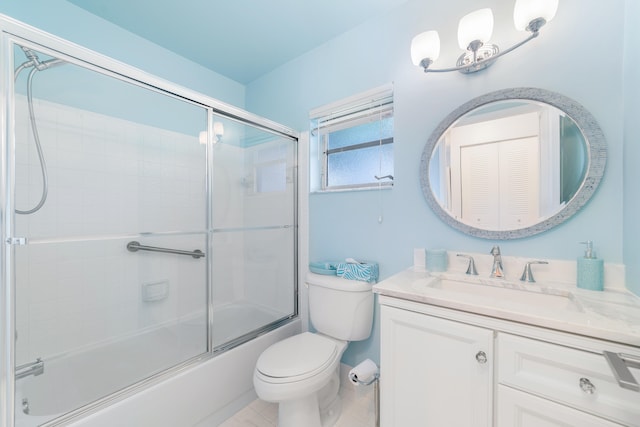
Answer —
512 163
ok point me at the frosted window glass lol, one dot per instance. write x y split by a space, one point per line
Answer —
357 154
372 131
358 167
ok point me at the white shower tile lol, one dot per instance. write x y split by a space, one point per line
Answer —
71 159
94 145
42 287
44 338
68 142
42 312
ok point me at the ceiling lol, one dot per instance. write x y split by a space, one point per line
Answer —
240 39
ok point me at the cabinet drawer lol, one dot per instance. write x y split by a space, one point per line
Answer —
518 409
572 377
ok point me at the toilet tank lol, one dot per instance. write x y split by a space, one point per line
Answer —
339 307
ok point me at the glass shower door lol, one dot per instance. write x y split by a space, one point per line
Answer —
254 232
112 283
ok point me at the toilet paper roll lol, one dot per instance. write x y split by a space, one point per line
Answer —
364 373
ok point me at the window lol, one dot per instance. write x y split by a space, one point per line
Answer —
354 141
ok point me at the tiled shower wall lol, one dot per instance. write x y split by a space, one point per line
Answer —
109 180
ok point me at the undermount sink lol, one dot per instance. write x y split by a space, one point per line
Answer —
507 292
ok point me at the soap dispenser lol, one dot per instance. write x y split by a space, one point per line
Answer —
590 270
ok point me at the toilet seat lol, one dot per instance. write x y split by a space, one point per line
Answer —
297 358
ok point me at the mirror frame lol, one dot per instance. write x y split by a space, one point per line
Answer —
597 148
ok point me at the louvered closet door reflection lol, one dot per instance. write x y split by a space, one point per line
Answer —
519 182
500 183
480 185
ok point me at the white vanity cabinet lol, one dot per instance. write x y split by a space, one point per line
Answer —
434 372
444 367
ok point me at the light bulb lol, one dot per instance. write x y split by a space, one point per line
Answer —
218 129
476 25
425 46
526 11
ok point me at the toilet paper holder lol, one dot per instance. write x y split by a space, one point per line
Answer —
354 379
365 373
369 374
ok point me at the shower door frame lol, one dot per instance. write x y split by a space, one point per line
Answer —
13 32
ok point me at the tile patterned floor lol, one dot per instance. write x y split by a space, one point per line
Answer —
357 410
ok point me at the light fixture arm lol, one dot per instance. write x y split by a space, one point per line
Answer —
477 65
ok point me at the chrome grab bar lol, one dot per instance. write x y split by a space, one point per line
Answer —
134 246
32 368
620 364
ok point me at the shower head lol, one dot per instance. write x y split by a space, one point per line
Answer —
34 61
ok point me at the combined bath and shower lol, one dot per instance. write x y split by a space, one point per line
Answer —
34 62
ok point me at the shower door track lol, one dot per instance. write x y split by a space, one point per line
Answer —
89 238
239 229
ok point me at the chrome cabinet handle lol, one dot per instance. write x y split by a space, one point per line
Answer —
481 357
587 386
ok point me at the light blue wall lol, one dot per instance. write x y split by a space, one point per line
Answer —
72 23
579 54
632 147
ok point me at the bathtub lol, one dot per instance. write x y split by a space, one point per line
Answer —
202 395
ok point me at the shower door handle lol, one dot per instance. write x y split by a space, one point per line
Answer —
17 241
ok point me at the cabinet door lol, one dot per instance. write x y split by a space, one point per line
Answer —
434 372
519 409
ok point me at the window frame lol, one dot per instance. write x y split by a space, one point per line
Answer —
371 106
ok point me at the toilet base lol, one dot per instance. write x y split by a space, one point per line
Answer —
320 409
330 414
329 401
299 412
305 412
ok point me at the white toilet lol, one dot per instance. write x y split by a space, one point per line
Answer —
300 373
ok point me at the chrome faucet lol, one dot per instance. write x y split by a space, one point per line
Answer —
496 270
471 267
33 368
527 275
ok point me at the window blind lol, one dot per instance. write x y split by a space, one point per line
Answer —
372 105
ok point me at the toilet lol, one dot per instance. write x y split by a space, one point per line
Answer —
301 373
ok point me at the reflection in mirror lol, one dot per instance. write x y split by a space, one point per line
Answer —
512 163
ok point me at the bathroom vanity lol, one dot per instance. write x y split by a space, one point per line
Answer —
460 350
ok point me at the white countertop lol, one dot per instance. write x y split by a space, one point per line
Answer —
608 315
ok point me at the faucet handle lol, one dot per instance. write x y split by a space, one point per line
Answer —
471 268
527 275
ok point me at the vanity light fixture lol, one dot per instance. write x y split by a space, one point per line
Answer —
474 31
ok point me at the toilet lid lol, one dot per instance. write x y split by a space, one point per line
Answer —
300 355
